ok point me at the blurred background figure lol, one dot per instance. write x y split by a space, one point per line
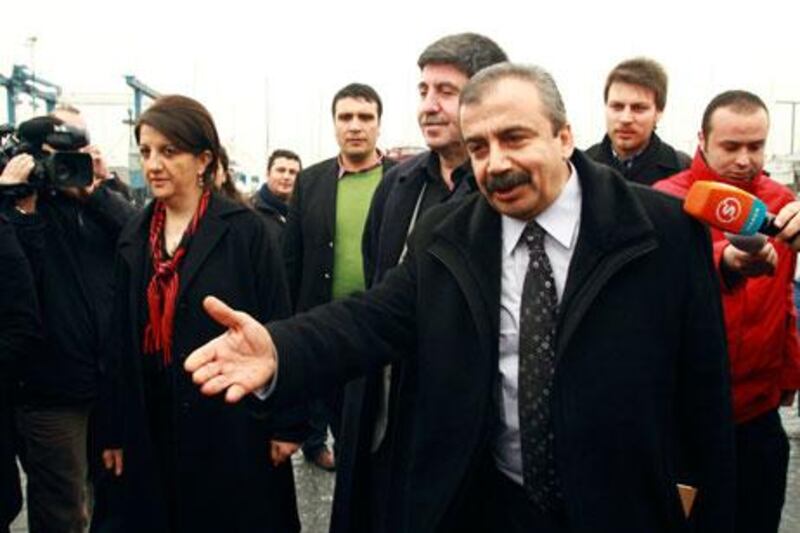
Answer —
223 181
635 96
760 315
67 222
19 338
272 199
325 227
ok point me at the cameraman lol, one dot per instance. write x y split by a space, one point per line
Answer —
69 236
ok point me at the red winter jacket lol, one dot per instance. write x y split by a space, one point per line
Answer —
760 316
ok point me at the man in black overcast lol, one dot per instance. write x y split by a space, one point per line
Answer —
562 334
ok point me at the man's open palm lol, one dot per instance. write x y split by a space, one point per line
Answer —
239 361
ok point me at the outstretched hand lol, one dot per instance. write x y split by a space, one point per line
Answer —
239 361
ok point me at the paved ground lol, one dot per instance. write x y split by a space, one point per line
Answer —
315 488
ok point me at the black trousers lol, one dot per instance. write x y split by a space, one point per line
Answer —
762 459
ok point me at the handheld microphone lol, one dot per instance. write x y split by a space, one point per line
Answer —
751 244
729 208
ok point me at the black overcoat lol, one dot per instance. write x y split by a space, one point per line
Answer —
224 478
20 328
641 373
659 160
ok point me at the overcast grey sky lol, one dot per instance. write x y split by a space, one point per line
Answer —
279 63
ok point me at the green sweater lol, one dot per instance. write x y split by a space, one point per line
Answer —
353 196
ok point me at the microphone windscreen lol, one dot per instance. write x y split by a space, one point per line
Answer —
747 243
725 207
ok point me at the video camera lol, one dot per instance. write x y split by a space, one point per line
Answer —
62 167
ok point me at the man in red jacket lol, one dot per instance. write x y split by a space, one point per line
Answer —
757 300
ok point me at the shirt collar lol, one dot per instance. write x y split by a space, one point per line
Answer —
629 161
560 220
345 170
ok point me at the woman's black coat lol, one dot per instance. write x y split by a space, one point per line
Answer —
224 480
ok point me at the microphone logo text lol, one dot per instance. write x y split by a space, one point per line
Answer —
728 210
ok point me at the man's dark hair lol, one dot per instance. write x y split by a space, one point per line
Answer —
286 154
549 95
359 91
468 52
739 102
643 72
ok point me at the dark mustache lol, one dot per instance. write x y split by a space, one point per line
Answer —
507 180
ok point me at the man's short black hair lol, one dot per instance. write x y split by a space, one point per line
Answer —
739 101
359 91
286 154
468 52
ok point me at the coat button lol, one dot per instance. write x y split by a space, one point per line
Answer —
326 275
330 244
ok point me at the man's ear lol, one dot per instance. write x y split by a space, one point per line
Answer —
566 140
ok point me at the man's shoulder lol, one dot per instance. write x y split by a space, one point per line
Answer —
411 166
598 152
670 157
773 193
456 216
405 170
675 185
326 167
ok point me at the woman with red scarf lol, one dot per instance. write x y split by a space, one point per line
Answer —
163 434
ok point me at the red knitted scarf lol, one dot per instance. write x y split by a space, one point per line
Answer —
162 291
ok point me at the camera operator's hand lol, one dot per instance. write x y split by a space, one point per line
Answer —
17 171
100 173
99 167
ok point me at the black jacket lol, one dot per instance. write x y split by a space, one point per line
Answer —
70 246
658 161
357 473
641 373
223 478
309 234
19 339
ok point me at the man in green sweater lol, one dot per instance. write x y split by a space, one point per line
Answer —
325 226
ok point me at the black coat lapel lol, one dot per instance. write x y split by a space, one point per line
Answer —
614 228
470 244
209 232
327 193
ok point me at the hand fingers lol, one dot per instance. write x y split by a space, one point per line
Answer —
206 372
200 357
118 465
789 222
215 385
235 393
787 214
112 460
222 313
274 453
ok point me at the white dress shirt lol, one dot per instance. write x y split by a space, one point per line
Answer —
561 221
